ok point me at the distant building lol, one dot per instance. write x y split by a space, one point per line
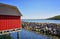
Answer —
10 18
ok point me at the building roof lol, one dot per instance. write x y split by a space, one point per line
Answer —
6 9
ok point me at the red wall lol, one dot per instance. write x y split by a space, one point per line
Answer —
10 22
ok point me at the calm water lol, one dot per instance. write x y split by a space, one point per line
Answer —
25 34
42 21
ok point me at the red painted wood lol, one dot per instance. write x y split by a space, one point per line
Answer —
10 22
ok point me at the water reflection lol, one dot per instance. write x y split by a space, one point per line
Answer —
25 34
5 37
45 36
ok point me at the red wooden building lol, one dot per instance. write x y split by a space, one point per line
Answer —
10 18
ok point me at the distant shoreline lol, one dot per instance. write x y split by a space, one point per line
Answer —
50 18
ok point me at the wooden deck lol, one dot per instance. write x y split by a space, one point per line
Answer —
10 31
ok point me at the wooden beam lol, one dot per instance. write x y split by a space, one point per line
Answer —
18 35
9 31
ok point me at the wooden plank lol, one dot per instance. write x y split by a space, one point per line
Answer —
18 35
9 31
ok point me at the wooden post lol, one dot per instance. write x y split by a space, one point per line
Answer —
18 35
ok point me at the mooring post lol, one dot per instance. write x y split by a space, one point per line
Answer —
18 35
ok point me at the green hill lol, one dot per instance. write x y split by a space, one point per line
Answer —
55 18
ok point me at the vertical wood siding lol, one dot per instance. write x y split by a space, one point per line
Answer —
10 22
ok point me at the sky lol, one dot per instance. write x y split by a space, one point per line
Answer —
36 9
